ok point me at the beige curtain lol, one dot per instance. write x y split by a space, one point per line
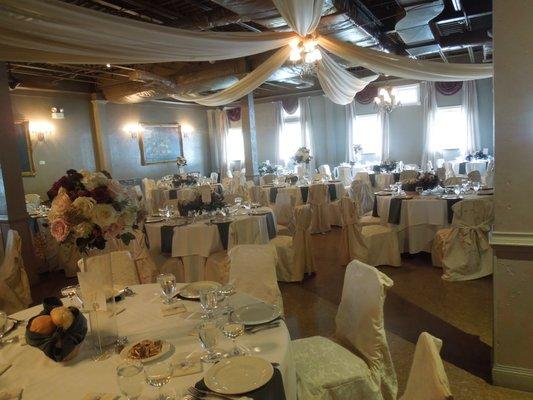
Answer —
218 126
404 67
58 32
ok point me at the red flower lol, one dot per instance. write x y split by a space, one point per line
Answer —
101 195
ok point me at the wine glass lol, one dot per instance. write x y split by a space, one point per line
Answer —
158 374
232 330
476 186
3 321
209 301
227 291
168 286
457 190
130 379
208 334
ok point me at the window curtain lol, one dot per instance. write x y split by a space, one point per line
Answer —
429 109
279 133
218 125
471 115
350 131
306 127
385 134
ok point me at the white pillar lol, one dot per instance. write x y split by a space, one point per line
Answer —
512 238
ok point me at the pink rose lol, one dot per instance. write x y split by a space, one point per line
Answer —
113 230
59 229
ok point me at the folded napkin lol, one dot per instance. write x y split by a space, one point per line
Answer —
11 394
4 367
101 396
172 309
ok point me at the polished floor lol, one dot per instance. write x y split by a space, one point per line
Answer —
460 313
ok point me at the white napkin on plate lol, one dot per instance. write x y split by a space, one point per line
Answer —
11 394
4 367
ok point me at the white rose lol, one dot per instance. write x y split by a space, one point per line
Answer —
93 180
104 215
85 205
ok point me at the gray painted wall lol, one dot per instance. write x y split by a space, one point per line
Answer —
70 146
406 134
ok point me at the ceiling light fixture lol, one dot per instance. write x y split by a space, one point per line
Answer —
386 100
305 50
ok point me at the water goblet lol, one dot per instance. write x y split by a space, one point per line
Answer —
208 332
130 379
168 286
158 374
476 186
227 291
232 330
457 190
209 301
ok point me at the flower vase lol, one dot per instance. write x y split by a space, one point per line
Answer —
181 170
96 284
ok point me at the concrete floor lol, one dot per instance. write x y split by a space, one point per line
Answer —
460 313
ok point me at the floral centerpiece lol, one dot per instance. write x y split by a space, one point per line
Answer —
266 168
181 162
184 180
197 205
357 150
385 166
302 156
427 180
88 209
477 155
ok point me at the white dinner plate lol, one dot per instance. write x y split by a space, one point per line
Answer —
256 314
167 347
192 290
238 375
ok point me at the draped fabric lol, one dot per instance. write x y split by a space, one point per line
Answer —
471 114
429 108
385 134
404 67
306 127
339 85
279 131
350 131
302 16
58 32
218 126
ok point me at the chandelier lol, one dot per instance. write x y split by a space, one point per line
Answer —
386 100
305 50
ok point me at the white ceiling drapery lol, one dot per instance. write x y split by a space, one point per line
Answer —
56 32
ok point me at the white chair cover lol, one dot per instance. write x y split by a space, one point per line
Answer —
237 184
15 293
258 195
441 173
344 174
325 170
363 176
448 167
247 230
122 267
148 187
454 180
267 179
353 245
360 323
283 208
363 195
318 198
467 253
205 193
440 162
253 271
427 378
213 177
408 174
474 176
301 170
384 180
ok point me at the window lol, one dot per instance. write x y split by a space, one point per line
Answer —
368 133
407 95
450 129
235 145
291 136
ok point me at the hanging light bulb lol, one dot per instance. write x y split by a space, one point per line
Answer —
309 58
317 55
295 54
295 43
309 45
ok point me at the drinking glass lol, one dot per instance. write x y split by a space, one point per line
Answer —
227 291
3 321
457 190
232 330
168 286
158 374
208 334
130 379
209 301
476 186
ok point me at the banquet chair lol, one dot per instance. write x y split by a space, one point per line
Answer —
258 195
326 370
373 244
454 180
384 180
474 176
489 176
448 167
325 170
441 174
284 207
344 174
363 176
318 199
408 174
267 179
363 195
123 267
253 271
295 258
148 186
15 293
427 378
246 230
213 177
463 250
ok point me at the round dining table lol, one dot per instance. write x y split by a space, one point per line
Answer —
41 378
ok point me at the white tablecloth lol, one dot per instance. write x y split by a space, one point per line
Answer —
42 378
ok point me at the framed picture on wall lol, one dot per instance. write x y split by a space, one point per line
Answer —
24 147
160 143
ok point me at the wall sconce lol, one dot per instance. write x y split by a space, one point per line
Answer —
40 130
186 130
58 113
134 130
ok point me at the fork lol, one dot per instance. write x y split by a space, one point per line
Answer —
199 394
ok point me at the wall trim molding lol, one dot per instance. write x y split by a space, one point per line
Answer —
513 377
520 239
